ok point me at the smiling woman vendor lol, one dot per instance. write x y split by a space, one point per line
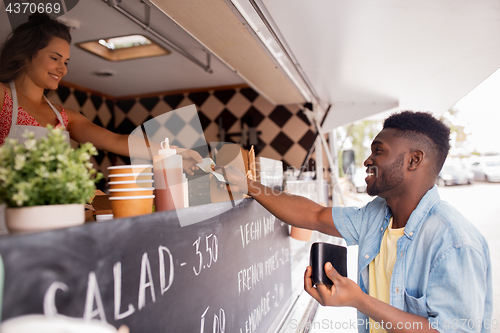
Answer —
33 61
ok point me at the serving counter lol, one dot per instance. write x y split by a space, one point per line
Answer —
222 267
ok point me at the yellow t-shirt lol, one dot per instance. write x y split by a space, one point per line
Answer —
380 270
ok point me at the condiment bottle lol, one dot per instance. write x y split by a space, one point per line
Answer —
169 187
186 190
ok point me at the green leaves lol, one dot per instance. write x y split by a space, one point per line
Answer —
46 171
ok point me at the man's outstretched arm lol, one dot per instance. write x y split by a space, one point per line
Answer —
292 209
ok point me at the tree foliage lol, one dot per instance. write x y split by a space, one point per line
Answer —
358 137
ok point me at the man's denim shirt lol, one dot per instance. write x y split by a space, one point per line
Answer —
442 271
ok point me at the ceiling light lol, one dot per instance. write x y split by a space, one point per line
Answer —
104 73
124 48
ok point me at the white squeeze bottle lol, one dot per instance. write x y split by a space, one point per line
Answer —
169 187
186 190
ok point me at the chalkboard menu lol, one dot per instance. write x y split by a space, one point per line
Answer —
230 273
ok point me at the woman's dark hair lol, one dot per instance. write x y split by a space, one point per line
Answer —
25 41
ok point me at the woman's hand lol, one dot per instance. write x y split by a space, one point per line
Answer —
344 291
189 159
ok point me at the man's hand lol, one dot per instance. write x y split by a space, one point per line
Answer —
237 181
344 291
189 159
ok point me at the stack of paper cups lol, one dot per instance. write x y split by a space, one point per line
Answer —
131 189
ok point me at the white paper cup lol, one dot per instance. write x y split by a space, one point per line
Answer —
131 184
127 192
103 217
139 168
132 205
119 177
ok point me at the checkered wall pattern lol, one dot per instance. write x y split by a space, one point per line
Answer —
285 132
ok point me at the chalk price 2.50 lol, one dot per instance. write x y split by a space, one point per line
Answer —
33 7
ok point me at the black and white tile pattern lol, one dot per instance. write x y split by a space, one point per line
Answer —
285 132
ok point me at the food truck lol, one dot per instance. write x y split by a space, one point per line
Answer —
273 77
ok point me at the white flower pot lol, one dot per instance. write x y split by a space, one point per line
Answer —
40 218
54 324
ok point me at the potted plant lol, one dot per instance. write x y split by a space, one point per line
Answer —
45 183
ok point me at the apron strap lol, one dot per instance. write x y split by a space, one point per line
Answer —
58 114
15 106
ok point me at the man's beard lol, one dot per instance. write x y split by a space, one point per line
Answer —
392 177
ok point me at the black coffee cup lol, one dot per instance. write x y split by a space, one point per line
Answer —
321 253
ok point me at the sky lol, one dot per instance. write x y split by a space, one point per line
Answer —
479 111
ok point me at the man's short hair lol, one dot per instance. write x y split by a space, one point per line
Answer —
423 128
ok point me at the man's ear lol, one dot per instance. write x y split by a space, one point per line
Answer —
417 157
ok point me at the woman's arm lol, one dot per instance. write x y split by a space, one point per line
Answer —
83 130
